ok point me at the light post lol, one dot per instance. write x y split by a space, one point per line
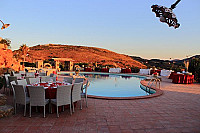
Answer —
166 15
4 25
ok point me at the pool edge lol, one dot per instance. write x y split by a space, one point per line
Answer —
158 92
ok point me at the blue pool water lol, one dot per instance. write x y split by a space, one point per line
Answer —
114 85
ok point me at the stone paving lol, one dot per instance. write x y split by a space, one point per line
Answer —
176 111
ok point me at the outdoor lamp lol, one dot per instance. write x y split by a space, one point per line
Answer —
4 25
166 15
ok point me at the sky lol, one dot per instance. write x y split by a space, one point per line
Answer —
123 26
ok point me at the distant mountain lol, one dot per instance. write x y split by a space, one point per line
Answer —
192 57
81 54
164 64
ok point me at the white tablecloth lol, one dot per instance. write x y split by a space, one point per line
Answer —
165 72
114 70
145 71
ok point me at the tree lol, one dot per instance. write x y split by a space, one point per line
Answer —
24 49
194 67
6 42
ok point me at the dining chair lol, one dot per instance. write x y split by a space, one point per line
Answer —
30 74
68 80
84 92
37 97
24 83
6 86
20 97
78 80
22 72
63 97
45 78
18 75
27 79
34 80
53 75
13 83
76 93
10 79
42 74
12 73
53 78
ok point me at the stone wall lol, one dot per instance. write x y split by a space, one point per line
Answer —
5 110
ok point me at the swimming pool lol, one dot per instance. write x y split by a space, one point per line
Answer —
114 85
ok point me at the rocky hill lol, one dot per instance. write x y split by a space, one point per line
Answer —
81 54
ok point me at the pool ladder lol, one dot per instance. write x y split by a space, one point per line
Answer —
151 82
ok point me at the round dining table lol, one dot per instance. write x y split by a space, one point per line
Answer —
50 92
51 88
182 79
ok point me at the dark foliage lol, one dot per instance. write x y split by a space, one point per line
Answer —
194 67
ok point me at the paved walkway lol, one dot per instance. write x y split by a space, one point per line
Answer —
176 111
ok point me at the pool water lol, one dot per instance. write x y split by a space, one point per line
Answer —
114 85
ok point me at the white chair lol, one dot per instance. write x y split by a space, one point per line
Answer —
84 92
145 71
53 75
165 73
45 78
27 80
78 80
63 97
114 70
68 80
20 97
34 80
22 82
30 74
21 72
10 79
18 75
53 78
76 93
13 83
42 74
37 97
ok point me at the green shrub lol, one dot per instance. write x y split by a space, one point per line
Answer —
194 67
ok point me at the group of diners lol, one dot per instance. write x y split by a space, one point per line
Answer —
43 90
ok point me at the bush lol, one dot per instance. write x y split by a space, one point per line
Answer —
97 69
1 82
194 67
135 69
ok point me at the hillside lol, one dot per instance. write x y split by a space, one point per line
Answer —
165 64
81 54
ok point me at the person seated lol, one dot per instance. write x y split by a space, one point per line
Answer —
77 75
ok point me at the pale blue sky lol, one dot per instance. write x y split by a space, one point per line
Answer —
123 26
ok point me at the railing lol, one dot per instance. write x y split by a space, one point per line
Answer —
151 82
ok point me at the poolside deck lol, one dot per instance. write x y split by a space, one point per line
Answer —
176 111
